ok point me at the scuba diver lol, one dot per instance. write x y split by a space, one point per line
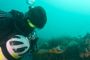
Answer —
18 35
16 31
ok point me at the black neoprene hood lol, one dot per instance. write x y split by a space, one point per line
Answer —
37 16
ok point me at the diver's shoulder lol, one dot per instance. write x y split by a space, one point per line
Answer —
14 12
5 15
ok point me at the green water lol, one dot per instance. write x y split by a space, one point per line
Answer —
64 17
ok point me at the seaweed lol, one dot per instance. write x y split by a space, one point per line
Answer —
73 45
54 42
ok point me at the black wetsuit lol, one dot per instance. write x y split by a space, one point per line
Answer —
12 23
8 29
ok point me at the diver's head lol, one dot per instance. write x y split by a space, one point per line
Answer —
36 17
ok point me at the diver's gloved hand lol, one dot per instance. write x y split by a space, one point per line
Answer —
56 51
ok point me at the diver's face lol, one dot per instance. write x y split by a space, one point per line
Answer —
26 27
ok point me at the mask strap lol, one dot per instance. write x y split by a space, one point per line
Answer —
30 24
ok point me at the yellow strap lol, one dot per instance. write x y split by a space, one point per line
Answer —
1 56
30 24
15 56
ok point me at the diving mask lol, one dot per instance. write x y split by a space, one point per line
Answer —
30 24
